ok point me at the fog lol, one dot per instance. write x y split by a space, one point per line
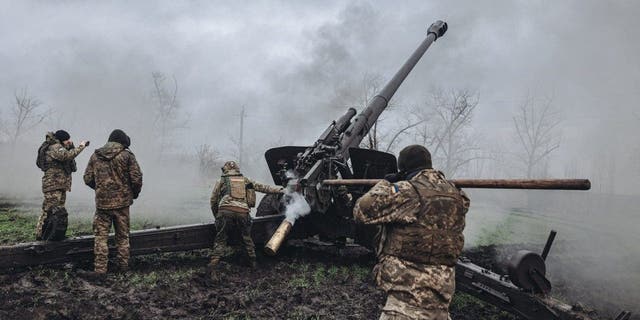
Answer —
294 67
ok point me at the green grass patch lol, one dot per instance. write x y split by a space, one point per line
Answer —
148 280
304 275
319 275
361 273
499 234
16 227
462 301
299 281
180 275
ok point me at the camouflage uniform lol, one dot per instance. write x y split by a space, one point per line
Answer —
59 164
232 211
115 175
419 242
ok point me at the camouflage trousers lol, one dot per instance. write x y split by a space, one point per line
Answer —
52 199
235 228
102 221
415 291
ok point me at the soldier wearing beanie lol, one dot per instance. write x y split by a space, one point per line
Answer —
423 216
56 157
113 172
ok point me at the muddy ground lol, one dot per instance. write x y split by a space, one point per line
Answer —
303 283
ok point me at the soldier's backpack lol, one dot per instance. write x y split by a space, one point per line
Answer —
41 160
55 225
239 190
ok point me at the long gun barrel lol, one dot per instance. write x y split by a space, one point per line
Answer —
367 118
549 184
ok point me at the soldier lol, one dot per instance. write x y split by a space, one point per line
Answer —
231 200
56 157
422 217
115 175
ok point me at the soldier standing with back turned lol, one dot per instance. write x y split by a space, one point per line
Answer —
422 218
115 175
231 200
56 157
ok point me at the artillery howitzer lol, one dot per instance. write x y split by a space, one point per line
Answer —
312 171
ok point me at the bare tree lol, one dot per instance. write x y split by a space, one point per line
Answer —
208 162
380 137
446 129
536 126
169 115
404 128
26 114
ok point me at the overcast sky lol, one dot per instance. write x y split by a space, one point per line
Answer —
293 64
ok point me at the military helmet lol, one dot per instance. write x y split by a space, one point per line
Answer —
414 157
230 165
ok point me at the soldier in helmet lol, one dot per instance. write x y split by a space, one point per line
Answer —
113 172
422 216
56 157
231 200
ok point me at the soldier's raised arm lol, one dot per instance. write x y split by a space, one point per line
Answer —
62 154
265 188
89 177
387 202
215 197
135 175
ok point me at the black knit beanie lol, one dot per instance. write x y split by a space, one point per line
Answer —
62 135
414 157
120 137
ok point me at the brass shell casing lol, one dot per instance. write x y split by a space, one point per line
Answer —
278 237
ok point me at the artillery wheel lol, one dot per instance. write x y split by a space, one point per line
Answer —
522 266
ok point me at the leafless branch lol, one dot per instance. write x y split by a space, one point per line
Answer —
536 127
26 114
446 122
169 116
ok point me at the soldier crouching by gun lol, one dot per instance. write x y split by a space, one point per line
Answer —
231 200
422 217
56 157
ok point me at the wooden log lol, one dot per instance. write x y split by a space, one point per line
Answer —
169 239
548 184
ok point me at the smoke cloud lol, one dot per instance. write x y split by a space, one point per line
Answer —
296 206
297 66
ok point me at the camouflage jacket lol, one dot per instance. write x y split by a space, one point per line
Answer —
422 218
59 163
115 175
220 198
425 290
